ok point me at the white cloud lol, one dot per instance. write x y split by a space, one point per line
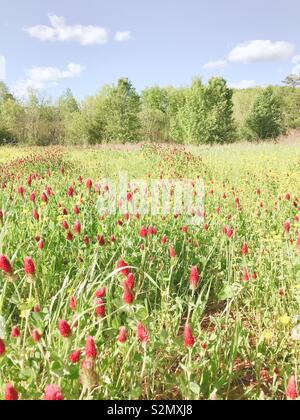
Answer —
123 36
38 78
296 59
243 84
219 64
2 67
296 62
60 31
261 50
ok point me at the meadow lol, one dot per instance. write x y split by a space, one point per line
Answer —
97 306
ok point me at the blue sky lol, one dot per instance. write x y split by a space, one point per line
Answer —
83 44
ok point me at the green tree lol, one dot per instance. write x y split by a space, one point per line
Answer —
153 117
290 103
292 80
192 117
207 113
75 129
5 93
155 98
265 119
176 103
67 102
70 119
154 125
11 117
42 125
218 104
122 107
243 100
95 116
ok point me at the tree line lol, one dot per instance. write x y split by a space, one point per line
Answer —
197 114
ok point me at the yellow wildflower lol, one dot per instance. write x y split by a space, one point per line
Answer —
285 320
268 335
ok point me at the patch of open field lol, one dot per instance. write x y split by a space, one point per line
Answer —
124 306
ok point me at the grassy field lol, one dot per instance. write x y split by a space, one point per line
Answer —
104 309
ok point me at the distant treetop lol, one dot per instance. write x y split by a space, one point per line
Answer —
292 80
